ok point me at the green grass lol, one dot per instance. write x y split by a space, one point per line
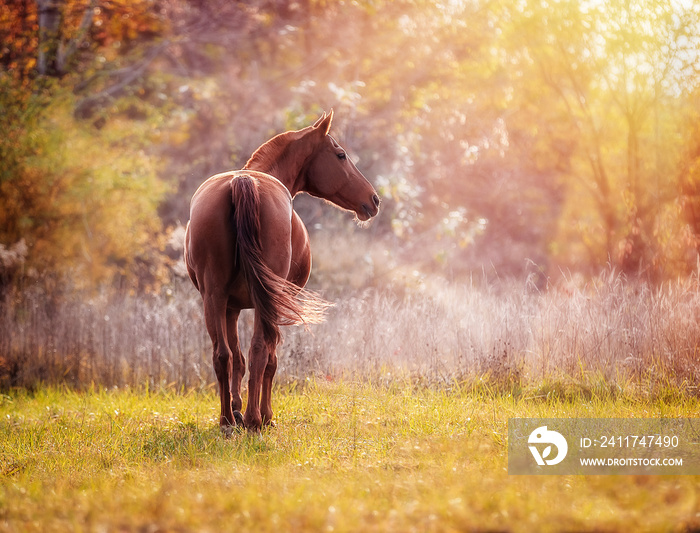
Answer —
345 456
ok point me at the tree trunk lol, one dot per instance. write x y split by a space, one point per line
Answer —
50 15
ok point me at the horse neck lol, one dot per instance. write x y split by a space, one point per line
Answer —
288 177
284 164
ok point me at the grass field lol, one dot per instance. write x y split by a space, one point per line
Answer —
345 456
391 416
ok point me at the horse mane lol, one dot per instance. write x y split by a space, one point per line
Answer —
269 154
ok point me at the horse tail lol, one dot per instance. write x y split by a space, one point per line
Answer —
277 301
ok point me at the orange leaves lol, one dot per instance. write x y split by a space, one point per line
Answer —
121 22
18 37
113 25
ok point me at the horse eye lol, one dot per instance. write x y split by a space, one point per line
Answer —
342 156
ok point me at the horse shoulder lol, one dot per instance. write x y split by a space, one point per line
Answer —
301 252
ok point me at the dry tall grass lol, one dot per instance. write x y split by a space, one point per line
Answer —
505 334
106 340
608 329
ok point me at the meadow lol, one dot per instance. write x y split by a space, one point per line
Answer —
391 416
345 456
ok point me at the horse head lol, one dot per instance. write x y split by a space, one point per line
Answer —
332 176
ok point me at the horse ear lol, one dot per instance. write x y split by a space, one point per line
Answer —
323 124
319 120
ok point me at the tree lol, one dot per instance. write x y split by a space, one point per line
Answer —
83 197
612 71
501 135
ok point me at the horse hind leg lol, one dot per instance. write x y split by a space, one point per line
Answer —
215 319
260 355
266 397
237 366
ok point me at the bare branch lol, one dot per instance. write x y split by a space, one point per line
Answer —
65 53
84 108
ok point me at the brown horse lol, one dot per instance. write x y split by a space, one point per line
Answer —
246 247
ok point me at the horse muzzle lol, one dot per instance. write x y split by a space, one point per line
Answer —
368 211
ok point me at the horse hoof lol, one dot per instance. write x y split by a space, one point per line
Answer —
238 418
227 431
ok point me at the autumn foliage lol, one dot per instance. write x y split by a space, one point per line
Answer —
516 139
